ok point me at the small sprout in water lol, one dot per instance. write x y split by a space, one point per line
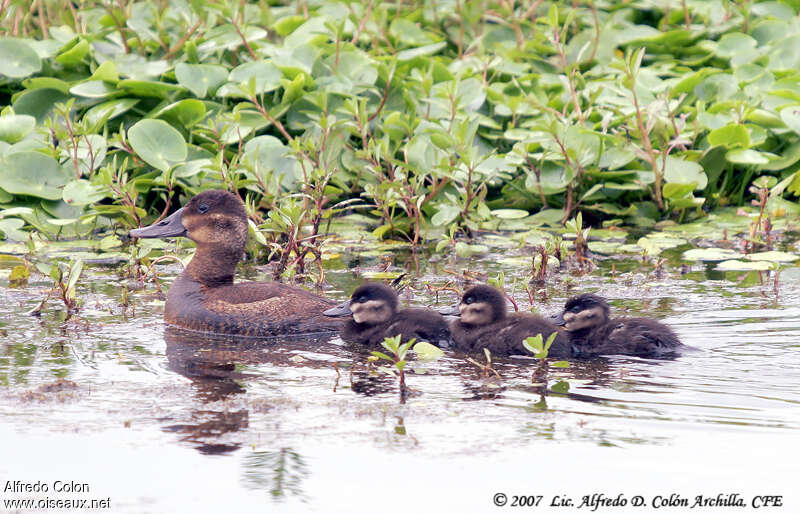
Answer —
485 368
397 356
540 349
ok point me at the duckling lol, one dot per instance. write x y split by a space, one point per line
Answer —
484 323
375 316
204 298
592 333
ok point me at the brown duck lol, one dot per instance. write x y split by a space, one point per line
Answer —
374 316
485 323
204 297
592 332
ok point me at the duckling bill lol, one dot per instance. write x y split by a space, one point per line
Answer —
485 323
204 297
592 332
374 316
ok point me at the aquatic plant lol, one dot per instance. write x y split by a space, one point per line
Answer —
397 357
540 348
440 121
66 278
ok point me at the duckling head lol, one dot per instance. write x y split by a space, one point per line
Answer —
585 312
482 305
211 218
370 304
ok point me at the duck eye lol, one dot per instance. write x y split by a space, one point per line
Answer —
202 208
361 299
575 309
469 300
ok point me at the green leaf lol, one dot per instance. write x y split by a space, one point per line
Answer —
560 364
201 79
108 110
427 352
445 215
94 89
730 136
17 59
509 214
82 192
185 113
267 76
382 355
561 387
684 172
737 265
73 55
157 143
710 254
791 116
773 256
746 157
33 174
413 53
13 127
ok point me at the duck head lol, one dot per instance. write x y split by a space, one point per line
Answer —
482 305
217 221
584 312
371 304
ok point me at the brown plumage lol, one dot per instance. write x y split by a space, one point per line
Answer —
485 323
204 297
592 332
374 316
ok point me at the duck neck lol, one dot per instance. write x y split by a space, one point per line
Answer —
214 265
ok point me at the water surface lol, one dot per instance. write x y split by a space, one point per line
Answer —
163 421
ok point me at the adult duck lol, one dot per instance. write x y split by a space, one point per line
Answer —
204 297
592 332
374 315
484 322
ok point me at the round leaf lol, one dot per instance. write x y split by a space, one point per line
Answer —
510 214
15 126
157 143
185 113
685 172
200 78
82 192
710 254
18 60
34 174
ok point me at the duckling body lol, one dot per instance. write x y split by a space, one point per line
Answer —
592 332
375 316
485 323
205 298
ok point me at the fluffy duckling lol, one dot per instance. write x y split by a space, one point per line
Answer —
204 298
375 316
592 333
485 323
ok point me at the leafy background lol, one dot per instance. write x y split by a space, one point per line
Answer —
434 119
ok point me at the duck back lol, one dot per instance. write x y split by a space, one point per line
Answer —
420 324
252 309
641 337
505 336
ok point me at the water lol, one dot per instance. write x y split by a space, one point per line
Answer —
162 421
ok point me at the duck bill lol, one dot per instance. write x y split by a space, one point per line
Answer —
342 309
453 310
171 226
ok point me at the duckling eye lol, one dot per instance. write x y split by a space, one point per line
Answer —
469 300
361 299
575 309
202 208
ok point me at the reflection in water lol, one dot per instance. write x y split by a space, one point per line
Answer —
275 410
280 472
